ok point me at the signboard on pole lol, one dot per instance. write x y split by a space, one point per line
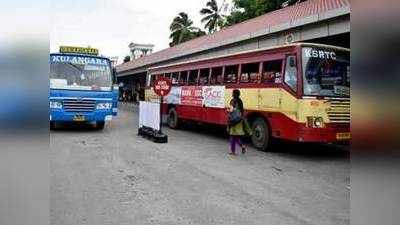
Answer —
162 86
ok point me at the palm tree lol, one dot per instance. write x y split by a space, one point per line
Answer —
182 29
212 16
127 58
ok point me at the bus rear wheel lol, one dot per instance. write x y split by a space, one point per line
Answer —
173 120
100 125
261 137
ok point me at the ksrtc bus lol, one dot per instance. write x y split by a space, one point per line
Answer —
81 87
298 92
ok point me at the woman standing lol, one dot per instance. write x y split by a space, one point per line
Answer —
236 123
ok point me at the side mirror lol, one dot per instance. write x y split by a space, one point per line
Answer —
292 61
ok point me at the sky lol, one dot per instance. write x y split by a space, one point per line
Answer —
110 25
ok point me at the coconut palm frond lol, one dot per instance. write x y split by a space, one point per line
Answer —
212 19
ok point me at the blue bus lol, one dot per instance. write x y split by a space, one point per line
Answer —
81 87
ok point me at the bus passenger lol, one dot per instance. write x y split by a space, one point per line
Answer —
268 77
278 78
219 79
236 123
244 78
213 80
182 80
254 77
203 80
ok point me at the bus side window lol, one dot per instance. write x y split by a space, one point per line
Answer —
183 78
291 72
174 78
272 72
250 73
204 76
216 76
231 74
193 74
152 79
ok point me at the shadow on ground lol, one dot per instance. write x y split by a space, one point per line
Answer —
75 127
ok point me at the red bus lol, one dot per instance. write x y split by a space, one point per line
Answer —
298 92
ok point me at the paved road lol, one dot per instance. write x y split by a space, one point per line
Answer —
114 177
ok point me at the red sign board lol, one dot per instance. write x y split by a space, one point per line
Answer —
162 86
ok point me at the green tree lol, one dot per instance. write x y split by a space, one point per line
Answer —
198 33
182 30
127 59
212 16
247 9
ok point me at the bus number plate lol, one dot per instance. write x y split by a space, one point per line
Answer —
79 118
343 136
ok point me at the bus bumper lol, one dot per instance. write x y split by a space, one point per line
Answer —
332 133
284 128
98 115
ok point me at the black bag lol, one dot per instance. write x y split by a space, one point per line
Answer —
235 117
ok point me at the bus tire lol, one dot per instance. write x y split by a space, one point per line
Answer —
52 125
173 120
100 125
261 137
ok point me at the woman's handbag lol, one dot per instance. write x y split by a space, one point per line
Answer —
235 117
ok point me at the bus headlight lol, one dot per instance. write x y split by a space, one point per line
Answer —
103 105
55 105
316 122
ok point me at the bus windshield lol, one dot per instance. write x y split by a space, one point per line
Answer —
80 73
326 72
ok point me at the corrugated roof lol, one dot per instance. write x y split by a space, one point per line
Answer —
275 18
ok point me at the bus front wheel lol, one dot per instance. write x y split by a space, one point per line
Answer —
261 136
173 121
100 125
